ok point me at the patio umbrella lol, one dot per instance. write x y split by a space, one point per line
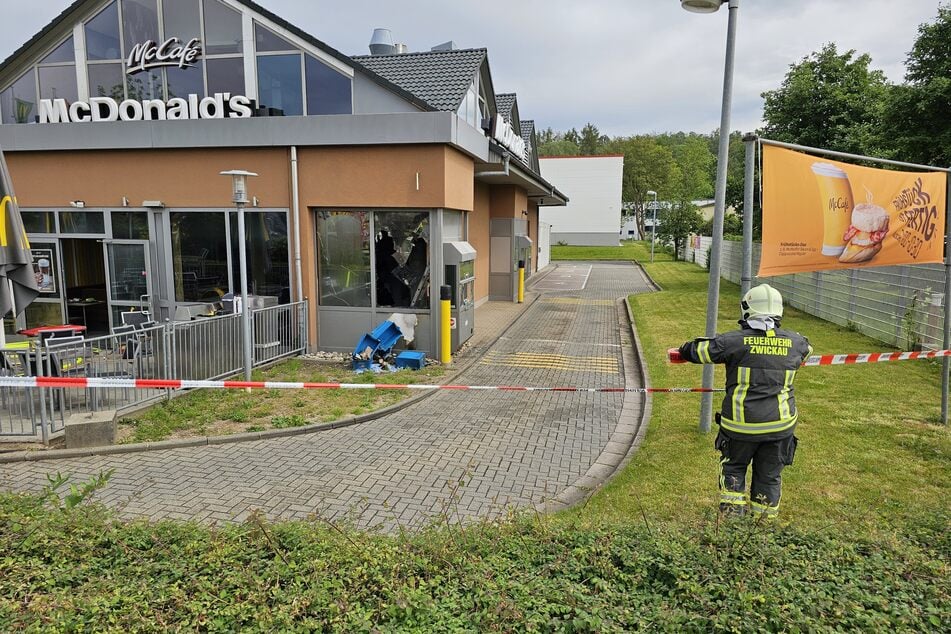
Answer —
17 279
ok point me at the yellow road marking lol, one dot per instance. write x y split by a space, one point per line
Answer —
574 300
604 365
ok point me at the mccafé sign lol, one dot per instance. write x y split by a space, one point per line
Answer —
504 133
222 105
171 52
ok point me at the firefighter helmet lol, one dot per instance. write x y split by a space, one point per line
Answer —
762 301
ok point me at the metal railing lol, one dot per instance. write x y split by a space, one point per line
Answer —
204 349
902 305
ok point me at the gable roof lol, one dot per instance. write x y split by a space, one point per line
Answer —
75 7
440 78
504 102
528 130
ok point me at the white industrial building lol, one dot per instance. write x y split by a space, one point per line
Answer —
593 187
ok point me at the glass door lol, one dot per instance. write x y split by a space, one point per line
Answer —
47 308
129 287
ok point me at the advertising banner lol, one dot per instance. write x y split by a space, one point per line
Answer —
820 214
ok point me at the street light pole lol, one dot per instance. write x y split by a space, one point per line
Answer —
723 155
239 179
653 224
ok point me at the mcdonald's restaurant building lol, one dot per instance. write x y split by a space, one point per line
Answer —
380 177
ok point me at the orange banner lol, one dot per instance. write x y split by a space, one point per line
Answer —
820 214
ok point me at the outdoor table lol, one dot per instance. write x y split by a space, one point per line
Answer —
45 332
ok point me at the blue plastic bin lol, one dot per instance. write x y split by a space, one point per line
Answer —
411 359
380 341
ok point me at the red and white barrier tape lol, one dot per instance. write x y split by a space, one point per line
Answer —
673 355
163 384
873 357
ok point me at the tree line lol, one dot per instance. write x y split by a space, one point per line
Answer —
829 99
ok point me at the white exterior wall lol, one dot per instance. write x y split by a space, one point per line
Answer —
544 245
593 187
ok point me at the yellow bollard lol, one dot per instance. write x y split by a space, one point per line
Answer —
521 281
445 332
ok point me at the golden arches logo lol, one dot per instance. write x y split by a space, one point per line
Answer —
24 242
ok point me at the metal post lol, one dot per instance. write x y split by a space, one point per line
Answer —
747 278
245 307
723 156
946 342
654 227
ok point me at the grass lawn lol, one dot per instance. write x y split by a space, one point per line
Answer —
871 453
629 250
221 412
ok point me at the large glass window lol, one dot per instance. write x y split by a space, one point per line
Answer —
343 245
146 85
18 102
328 92
62 53
139 22
102 35
58 82
106 80
130 225
225 75
401 249
38 221
82 222
222 29
266 40
186 81
199 256
266 243
279 83
181 19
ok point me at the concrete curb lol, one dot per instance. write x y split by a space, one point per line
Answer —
629 432
162 445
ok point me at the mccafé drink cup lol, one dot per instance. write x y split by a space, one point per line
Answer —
835 192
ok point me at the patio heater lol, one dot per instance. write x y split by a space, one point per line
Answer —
239 182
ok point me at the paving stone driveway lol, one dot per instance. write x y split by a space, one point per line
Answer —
510 448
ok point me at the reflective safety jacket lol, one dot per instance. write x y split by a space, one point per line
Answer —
760 369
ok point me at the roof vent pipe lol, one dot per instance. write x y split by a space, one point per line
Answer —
402 49
382 42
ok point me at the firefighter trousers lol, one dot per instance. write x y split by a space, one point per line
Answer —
768 459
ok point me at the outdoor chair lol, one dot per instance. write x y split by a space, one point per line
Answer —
125 365
17 363
68 357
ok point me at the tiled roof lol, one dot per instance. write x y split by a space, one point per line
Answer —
440 78
527 127
503 104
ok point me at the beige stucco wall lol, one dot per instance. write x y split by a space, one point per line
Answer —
178 178
479 238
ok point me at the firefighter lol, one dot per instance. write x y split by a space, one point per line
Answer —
758 416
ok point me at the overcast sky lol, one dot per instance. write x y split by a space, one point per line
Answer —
628 66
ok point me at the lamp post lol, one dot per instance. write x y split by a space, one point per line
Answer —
239 182
653 223
713 286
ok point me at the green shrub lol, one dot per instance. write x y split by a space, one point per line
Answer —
83 570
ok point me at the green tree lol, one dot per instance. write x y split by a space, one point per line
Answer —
917 114
648 166
678 223
829 100
694 160
558 147
592 141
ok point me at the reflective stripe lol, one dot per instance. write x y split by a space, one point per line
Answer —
739 394
741 427
783 397
732 497
769 511
703 352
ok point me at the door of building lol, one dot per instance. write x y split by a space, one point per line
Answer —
128 265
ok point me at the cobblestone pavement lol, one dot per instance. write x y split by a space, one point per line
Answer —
508 448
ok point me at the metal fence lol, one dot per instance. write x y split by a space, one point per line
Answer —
900 305
204 349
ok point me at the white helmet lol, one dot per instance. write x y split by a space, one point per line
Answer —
762 301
